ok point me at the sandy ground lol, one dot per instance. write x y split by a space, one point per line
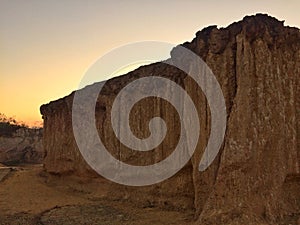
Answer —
4 172
30 196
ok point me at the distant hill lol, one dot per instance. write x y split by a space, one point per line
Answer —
18 143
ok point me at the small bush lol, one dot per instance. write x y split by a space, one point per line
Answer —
8 126
7 129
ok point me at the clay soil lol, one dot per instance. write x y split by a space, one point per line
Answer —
30 196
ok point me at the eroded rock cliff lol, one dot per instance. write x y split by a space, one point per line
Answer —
23 145
255 179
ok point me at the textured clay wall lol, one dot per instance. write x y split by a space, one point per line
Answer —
254 178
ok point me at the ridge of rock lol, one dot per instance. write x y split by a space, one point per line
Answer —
255 178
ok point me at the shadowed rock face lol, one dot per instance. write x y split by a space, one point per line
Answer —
255 178
24 145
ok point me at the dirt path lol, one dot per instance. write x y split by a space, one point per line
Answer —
29 196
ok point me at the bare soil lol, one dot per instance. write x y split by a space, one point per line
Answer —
30 196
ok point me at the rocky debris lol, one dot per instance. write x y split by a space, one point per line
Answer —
92 214
23 145
17 219
254 179
87 214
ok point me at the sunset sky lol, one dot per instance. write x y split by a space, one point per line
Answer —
46 46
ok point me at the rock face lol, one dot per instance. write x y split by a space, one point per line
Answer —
255 179
23 145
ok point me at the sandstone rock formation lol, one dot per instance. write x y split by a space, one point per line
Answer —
24 145
256 177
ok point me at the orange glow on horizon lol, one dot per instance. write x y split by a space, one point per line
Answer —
46 46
